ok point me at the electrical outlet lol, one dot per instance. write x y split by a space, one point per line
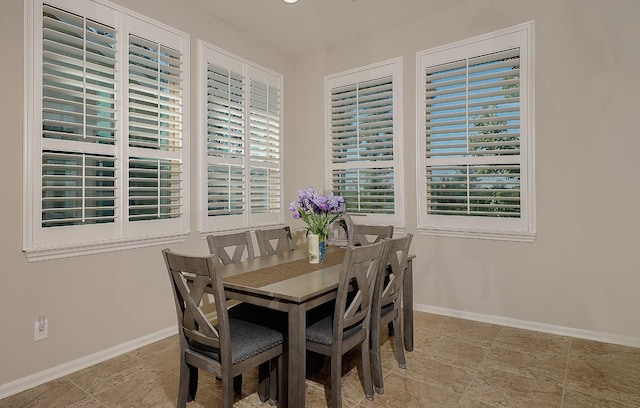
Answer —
41 329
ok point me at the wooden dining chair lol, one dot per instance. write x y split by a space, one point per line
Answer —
386 304
274 241
239 242
364 234
347 324
226 349
231 248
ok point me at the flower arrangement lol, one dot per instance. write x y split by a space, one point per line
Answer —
317 210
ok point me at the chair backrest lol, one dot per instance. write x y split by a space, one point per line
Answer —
189 277
341 233
358 275
239 242
280 236
389 281
368 234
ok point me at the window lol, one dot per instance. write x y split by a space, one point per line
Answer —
240 119
363 140
106 132
475 130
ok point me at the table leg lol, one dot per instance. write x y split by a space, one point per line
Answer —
407 306
297 355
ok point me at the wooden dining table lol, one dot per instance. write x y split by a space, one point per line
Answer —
291 284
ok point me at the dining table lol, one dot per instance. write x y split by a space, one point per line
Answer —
289 283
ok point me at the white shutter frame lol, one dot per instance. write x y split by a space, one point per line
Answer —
389 68
523 228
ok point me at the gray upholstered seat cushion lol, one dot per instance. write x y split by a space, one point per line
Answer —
321 331
247 340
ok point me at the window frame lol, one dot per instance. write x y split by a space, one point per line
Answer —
514 229
388 68
210 54
43 243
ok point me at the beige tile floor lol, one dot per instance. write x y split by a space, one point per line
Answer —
456 363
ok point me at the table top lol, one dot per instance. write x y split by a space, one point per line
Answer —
289 277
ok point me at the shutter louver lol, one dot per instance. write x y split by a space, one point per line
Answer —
265 190
225 190
155 130
473 136
155 96
264 156
155 188
77 189
78 87
366 190
225 113
362 145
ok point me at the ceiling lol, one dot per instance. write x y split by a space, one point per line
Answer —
309 26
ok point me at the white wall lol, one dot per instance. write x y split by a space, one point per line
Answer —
581 273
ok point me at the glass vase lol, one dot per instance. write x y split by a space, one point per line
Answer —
322 249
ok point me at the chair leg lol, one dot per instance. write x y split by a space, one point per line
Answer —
275 367
237 384
183 388
402 362
227 391
263 380
377 361
366 369
336 379
193 383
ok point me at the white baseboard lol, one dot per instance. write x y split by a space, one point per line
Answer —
536 326
69 367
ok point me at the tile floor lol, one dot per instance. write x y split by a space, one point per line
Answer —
456 363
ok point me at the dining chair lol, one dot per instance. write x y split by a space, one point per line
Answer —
274 241
347 324
386 304
231 248
239 243
364 234
226 349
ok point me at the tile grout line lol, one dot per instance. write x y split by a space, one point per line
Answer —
566 373
87 393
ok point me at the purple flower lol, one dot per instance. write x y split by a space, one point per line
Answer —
314 208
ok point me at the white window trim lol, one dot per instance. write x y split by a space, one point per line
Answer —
246 221
391 67
524 228
123 236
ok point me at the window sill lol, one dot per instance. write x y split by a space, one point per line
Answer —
67 251
479 234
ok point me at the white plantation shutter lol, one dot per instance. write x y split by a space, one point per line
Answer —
363 132
226 178
241 122
473 136
476 138
264 155
155 130
78 120
105 130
